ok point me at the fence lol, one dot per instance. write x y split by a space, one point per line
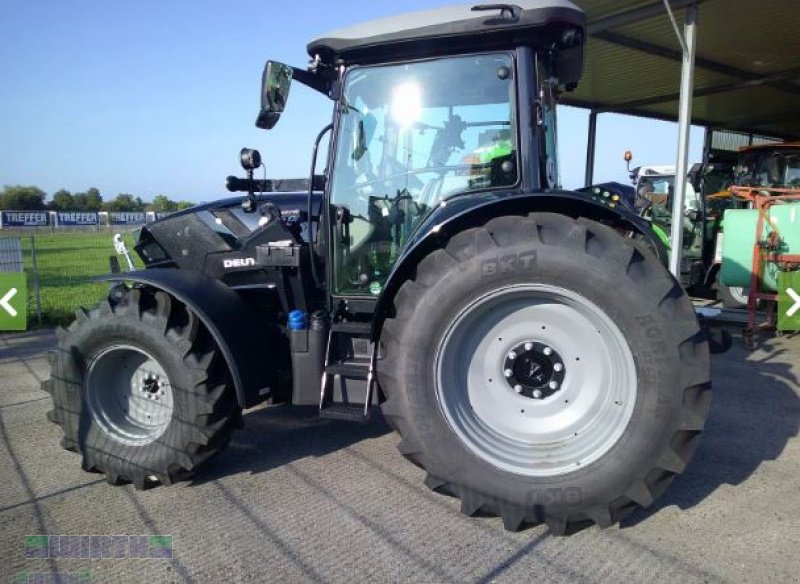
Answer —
69 219
60 267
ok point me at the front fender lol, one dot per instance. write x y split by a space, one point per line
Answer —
465 212
250 348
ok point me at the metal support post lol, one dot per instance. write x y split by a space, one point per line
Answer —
708 140
689 42
36 288
590 145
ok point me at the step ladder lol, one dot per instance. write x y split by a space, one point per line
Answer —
347 367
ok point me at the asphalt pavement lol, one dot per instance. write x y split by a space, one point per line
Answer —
295 498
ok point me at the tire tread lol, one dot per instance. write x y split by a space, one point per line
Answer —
594 239
216 413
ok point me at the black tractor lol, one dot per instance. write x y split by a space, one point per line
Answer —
528 344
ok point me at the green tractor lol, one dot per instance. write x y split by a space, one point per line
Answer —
536 361
707 199
709 195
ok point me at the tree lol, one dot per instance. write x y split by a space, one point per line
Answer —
163 204
79 202
125 202
91 200
94 201
62 201
22 198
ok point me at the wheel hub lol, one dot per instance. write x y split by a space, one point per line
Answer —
534 370
151 386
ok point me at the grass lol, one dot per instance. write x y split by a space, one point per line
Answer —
67 263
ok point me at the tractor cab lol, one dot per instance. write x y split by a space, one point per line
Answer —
431 107
769 166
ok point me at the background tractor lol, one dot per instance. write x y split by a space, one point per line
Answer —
764 255
537 361
707 199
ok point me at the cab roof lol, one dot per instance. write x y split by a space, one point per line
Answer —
451 29
771 146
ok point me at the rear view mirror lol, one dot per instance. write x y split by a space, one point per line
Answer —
275 84
693 215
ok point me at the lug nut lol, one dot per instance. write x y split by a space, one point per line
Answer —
558 367
508 373
512 355
518 388
548 351
537 394
554 385
528 346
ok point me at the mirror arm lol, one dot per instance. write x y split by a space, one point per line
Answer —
250 203
315 81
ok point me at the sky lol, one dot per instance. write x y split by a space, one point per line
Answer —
153 97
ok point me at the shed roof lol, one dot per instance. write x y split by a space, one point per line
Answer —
747 75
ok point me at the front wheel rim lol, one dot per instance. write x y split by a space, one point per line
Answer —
739 294
128 394
555 420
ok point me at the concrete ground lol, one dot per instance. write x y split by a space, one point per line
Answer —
295 498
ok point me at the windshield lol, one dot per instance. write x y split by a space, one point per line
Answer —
715 191
765 168
409 136
658 190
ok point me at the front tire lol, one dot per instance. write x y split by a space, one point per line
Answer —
732 296
545 370
140 390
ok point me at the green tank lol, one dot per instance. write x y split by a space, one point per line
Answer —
740 238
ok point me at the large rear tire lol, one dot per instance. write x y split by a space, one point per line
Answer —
140 390
545 370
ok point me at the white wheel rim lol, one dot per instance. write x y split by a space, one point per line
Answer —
559 433
128 394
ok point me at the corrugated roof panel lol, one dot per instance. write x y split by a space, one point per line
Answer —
749 104
757 38
754 108
596 9
735 141
631 75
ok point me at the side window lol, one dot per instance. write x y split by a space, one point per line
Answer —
793 170
409 136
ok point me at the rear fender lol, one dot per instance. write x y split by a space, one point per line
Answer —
461 214
251 348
